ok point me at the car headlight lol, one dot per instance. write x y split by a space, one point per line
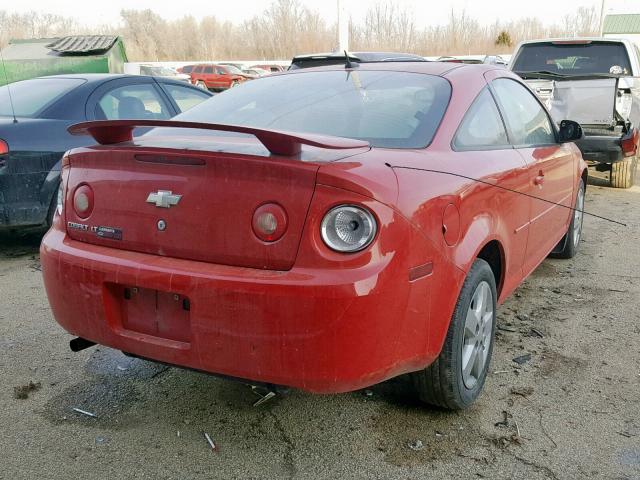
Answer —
348 228
623 104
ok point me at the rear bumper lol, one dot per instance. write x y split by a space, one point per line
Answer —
317 330
603 148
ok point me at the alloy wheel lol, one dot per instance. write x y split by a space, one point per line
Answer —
477 336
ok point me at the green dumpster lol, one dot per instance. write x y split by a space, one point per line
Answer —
32 58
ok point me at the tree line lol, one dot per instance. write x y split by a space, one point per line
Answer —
288 28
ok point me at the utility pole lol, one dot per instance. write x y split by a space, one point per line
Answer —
343 27
602 18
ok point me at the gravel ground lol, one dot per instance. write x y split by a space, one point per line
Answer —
571 410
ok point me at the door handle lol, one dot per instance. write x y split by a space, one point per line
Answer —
539 179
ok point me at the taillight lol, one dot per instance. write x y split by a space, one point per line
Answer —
269 222
348 228
4 153
623 104
629 143
83 201
60 201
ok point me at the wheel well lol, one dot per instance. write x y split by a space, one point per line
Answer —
585 175
492 254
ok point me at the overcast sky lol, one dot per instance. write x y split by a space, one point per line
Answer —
427 12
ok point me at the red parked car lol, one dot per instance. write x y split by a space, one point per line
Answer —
364 225
270 68
216 77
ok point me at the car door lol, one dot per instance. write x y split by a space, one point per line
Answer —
196 74
482 148
209 76
550 165
222 76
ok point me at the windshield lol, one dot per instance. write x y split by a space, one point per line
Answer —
388 109
574 59
31 97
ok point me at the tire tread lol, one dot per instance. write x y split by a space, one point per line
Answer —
436 384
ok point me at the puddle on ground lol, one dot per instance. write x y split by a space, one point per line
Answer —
110 392
630 457
110 400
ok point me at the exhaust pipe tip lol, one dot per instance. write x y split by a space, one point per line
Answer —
79 343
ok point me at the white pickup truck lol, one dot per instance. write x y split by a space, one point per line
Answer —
596 82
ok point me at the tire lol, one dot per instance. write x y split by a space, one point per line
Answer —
568 246
443 383
623 173
201 84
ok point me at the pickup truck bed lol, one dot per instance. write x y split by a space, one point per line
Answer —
595 82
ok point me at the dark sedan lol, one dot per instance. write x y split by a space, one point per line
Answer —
35 114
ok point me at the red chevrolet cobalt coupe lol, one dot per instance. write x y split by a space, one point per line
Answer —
324 229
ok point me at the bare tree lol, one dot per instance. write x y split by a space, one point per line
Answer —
288 28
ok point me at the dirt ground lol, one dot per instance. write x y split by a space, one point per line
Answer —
570 410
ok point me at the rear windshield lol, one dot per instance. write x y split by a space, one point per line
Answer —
32 97
574 59
388 109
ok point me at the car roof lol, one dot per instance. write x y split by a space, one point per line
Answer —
90 77
569 40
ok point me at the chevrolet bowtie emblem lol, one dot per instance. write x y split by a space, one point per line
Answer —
163 198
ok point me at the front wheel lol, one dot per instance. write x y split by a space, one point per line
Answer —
568 246
457 376
623 173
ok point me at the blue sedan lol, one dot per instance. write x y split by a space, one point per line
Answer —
35 114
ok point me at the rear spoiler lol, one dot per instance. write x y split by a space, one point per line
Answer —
109 132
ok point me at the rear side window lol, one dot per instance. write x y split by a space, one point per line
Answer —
482 127
185 97
573 59
132 102
208 69
187 69
198 69
32 97
527 121
386 108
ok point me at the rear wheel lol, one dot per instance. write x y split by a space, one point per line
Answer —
568 246
623 173
457 376
201 84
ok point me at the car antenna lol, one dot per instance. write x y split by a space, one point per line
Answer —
348 63
6 78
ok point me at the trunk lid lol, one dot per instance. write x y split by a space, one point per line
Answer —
219 188
586 101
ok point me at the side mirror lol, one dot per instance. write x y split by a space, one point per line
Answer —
570 131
